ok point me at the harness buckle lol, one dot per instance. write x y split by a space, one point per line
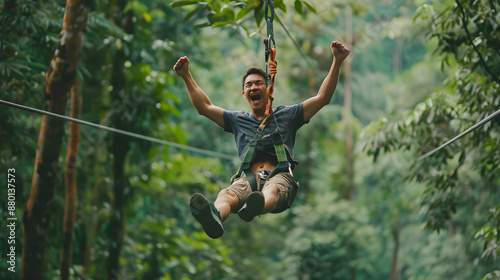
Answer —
234 178
263 174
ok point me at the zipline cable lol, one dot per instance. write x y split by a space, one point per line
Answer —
472 128
115 130
297 46
269 41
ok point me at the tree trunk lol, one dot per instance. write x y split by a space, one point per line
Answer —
91 225
59 79
70 183
397 59
119 148
348 120
353 273
348 110
394 265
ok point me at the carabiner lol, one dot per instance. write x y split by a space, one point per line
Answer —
269 19
269 41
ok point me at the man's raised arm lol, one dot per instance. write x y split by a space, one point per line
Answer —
198 97
325 93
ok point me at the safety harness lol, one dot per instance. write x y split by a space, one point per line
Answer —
284 156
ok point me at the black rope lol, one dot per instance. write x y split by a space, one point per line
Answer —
269 41
115 130
472 128
297 46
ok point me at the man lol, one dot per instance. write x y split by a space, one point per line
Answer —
239 197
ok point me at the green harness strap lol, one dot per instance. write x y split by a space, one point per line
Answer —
284 165
279 147
245 164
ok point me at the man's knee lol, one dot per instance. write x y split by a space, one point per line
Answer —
229 198
226 194
271 189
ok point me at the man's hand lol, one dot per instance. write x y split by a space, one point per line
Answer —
181 67
325 92
339 51
198 97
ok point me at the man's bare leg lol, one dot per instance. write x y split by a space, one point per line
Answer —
271 198
225 202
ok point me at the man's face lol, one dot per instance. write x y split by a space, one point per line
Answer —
254 91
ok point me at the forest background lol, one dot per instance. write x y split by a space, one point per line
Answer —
106 206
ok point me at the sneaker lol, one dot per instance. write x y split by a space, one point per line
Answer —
207 215
252 207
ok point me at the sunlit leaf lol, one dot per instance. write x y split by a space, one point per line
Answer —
191 14
228 13
203 24
279 4
183 3
221 23
147 17
298 6
259 15
244 12
309 6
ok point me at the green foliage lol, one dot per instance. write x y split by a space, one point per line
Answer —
27 41
490 234
322 236
331 243
164 243
492 275
234 13
463 32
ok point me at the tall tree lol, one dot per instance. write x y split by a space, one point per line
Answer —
348 107
59 79
120 145
70 183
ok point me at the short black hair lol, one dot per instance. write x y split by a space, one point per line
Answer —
253 70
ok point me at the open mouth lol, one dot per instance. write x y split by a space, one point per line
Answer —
255 97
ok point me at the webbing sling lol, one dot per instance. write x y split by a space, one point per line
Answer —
279 147
270 59
284 163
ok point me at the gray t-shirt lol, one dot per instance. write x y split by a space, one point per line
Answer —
244 125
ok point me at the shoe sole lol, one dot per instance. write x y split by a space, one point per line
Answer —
202 212
254 206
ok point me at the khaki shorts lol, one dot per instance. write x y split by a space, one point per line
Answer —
284 182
